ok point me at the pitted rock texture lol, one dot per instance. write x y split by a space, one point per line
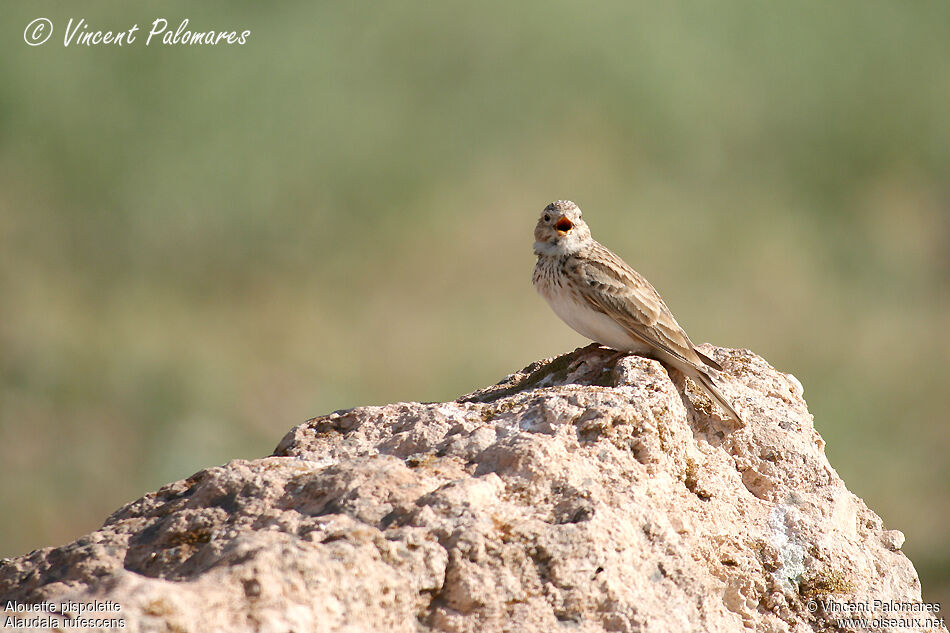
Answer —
590 492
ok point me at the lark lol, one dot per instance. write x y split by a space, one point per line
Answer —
600 296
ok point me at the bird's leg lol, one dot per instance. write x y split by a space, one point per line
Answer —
582 356
617 355
593 361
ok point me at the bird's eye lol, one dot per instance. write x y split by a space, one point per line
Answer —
564 225
547 218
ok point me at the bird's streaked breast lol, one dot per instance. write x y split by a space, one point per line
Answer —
571 307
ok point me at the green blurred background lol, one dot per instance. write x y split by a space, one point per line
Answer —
201 247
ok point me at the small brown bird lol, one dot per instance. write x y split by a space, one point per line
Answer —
600 296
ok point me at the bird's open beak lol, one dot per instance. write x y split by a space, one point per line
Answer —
563 226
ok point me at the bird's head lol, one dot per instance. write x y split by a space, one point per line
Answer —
560 230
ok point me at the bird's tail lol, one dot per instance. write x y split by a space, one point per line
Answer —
705 381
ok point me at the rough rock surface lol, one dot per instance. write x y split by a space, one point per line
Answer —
590 492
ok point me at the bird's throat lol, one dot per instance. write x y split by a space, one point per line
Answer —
559 248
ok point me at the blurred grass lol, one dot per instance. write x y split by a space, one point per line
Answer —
200 248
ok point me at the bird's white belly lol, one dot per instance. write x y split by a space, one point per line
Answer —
594 325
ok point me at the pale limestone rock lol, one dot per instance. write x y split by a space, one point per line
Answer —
590 492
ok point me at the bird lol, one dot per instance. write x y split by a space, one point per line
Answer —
601 297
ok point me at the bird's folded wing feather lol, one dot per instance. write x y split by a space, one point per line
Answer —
612 287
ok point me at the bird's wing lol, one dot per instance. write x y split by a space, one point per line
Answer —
610 286
707 360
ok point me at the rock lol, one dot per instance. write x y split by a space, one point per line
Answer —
589 492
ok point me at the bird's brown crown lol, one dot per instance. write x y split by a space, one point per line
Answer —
562 207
